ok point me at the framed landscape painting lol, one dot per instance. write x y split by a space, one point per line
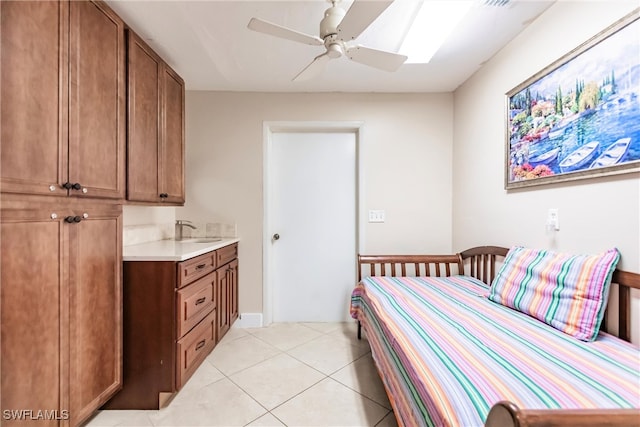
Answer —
580 116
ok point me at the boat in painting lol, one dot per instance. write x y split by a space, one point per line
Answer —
613 154
556 133
580 157
543 158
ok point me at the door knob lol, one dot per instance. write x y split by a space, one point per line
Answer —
276 236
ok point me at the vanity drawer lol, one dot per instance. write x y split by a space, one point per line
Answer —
195 302
194 347
226 254
195 268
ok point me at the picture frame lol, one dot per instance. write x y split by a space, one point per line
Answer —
580 116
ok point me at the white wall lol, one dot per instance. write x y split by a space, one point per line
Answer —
405 149
595 214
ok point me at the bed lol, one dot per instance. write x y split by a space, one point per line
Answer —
449 356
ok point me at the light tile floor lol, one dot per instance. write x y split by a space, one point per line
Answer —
288 374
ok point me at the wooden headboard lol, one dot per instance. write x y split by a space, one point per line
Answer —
481 262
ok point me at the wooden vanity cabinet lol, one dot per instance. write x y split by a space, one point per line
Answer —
227 288
172 322
60 315
155 171
233 290
63 99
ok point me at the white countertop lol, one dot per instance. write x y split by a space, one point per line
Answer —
172 250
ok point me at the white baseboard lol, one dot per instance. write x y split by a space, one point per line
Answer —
248 320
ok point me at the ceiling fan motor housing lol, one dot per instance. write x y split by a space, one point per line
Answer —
332 18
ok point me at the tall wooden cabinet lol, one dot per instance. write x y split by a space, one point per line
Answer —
60 313
32 283
63 129
33 97
62 99
95 309
62 178
156 127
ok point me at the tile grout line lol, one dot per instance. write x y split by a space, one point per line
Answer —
325 376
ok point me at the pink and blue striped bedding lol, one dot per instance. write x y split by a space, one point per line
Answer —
447 354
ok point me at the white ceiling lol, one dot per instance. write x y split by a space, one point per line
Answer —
209 45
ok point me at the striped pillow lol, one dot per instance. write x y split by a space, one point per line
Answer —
568 292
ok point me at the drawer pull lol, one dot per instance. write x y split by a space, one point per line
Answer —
200 300
200 266
200 345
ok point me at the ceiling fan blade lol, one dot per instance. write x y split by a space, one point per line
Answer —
383 60
359 16
284 33
314 69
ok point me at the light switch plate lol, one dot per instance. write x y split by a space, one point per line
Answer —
376 216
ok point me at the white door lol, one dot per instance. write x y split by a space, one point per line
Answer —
313 225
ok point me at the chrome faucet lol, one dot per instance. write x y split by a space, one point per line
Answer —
180 224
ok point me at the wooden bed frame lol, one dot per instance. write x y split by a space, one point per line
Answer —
480 262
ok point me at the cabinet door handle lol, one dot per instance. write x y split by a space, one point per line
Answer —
200 300
200 345
68 219
77 186
67 186
200 266
77 219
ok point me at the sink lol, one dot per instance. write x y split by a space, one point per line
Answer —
200 240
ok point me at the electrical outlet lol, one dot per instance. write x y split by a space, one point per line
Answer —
376 216
553 221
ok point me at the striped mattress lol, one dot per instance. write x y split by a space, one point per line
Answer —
447 354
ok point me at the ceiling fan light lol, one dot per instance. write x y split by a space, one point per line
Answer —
334 50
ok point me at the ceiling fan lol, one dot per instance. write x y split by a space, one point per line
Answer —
338 29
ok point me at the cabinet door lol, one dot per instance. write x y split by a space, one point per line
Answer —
31 286
222 302
233 291
143 172
173 137
95 309
33 96
96 101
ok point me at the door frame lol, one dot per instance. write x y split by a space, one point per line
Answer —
269 129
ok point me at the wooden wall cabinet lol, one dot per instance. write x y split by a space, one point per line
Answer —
62 99
62 132
172 321
155 171
60 314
